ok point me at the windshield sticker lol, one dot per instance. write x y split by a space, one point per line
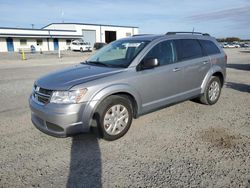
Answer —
135 45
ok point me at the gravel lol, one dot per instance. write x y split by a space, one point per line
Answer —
185 145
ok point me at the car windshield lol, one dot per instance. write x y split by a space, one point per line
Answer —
118 53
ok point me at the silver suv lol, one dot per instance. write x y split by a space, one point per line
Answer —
128 78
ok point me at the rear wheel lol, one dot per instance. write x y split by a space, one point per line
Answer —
113 117
212 91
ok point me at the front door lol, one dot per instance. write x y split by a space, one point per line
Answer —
10 45
56 46
161 85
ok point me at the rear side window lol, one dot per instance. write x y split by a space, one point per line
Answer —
209 47
188 49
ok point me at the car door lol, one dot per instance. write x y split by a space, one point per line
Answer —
161 85
195 63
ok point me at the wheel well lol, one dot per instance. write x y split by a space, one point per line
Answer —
131 99
220 76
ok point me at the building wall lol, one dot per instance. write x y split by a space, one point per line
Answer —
51 45
42 47
59 30
79 29
47 45
121 32
62 44
61 26
3 45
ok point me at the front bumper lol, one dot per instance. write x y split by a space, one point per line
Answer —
59 120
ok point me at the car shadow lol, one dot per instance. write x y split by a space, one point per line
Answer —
238 86
85 163
245 67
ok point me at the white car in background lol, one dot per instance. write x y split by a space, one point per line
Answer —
80 46
231 45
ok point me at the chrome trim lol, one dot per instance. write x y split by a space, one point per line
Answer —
36 93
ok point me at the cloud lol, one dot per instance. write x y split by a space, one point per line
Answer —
240 16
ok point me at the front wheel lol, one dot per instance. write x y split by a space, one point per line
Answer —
212 91
114 117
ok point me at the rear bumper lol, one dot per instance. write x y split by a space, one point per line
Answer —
59 120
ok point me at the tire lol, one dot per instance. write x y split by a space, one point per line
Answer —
81 50
110 123
212 91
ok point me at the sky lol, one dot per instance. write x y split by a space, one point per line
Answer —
220 18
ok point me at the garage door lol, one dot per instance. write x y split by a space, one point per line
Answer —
89 36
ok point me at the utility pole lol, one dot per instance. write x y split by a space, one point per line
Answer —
62 14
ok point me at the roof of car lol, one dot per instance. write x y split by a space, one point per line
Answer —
151 37
148 37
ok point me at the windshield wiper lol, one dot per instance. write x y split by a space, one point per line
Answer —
96 63
103 64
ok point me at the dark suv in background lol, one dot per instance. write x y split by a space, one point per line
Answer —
99 45
127 78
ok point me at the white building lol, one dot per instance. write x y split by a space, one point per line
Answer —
59 35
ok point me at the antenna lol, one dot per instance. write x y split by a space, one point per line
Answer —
62 14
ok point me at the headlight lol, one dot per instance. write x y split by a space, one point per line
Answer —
68 97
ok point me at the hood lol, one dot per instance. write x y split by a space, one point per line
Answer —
78 74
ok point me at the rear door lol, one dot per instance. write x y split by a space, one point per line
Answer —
212 50
195 63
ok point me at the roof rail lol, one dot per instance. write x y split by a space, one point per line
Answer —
184 32
140 35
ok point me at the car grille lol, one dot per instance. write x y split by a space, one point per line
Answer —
41 95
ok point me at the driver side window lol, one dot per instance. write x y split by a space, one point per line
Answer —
165 52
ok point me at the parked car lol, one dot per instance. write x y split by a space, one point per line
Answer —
236 45
231 45
244 45
80 46
99 45
126 79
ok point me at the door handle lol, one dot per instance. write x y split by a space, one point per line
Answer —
176 69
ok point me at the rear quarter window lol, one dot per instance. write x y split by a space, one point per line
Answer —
188 49
209 47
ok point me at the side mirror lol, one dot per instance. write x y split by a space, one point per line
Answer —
148 64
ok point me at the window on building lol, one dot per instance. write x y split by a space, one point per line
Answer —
23 42
68 42
128 34
39 42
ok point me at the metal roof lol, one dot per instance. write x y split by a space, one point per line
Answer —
68 23
37 33
31 29
40 36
